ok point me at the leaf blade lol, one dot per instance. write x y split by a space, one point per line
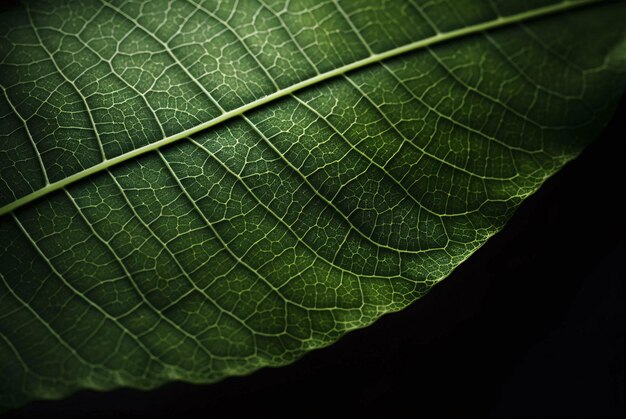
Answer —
366 189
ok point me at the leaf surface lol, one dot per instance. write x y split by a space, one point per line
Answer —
192 190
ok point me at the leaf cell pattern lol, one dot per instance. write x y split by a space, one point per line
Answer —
194 189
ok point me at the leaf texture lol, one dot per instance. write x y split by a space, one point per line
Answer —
192 190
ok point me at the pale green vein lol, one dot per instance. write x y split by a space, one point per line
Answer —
374 58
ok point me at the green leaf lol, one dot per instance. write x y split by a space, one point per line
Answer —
192 190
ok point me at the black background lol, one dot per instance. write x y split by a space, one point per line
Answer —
532 324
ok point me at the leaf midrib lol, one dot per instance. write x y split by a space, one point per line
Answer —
372 59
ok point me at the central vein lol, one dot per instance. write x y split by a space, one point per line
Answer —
374 58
